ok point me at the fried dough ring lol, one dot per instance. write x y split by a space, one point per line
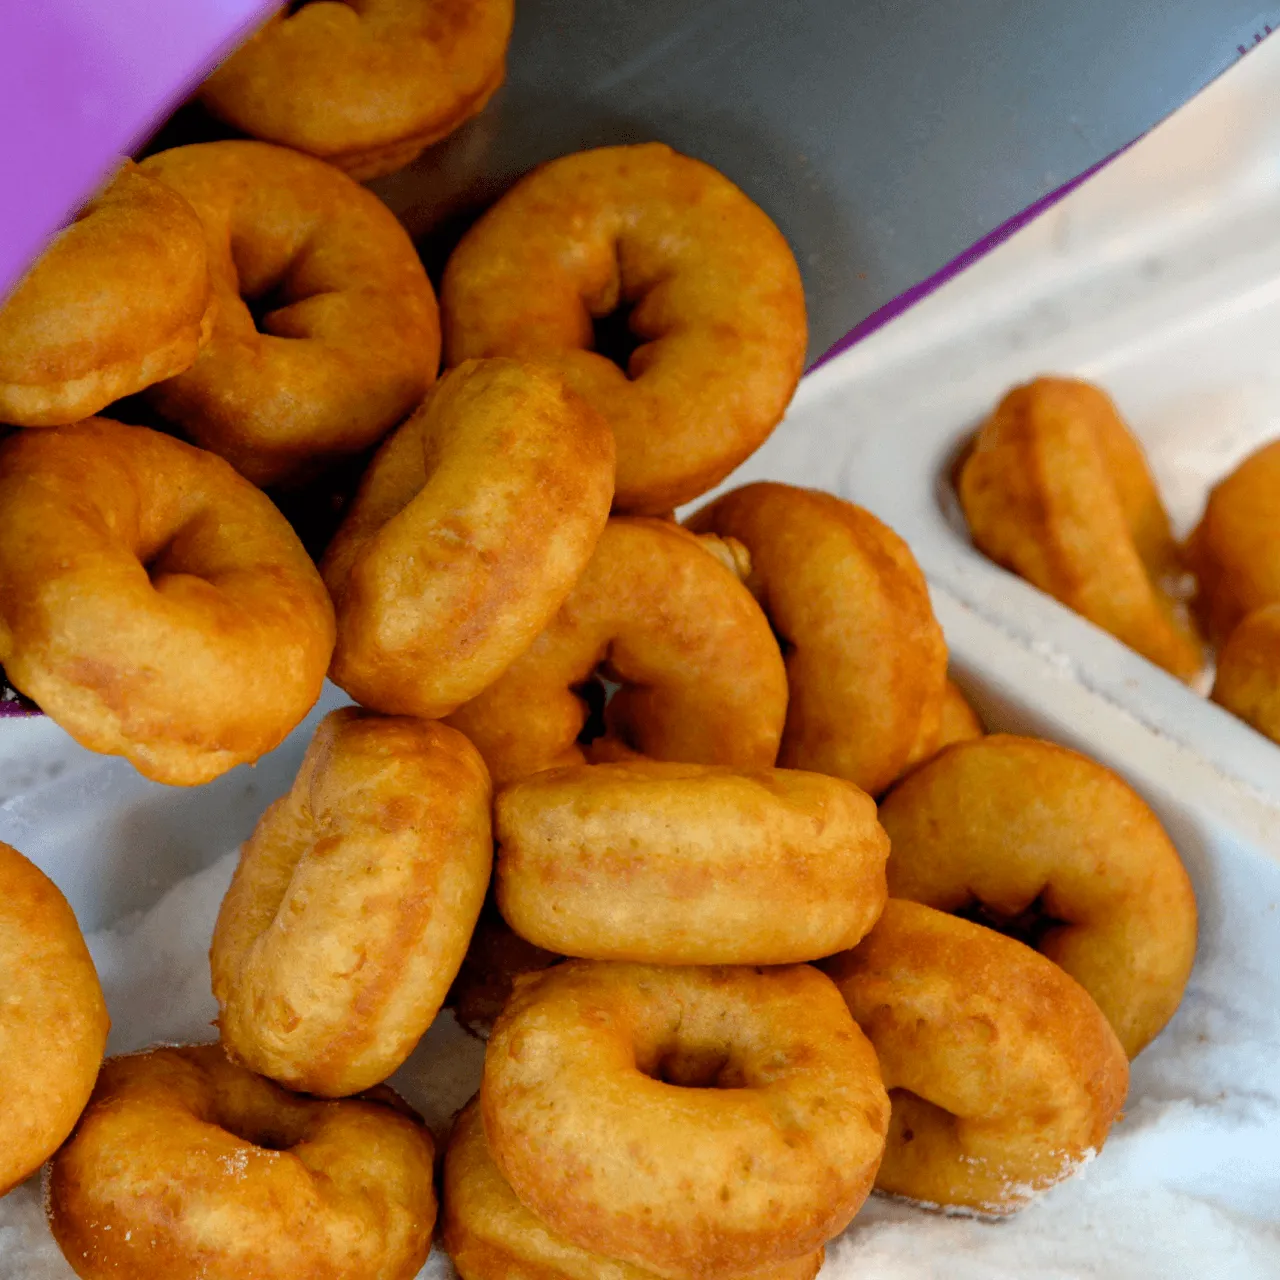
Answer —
153 602
53 1019
1011 825
366 86
186 1166
488 1233
1058 491
1003 1073
469 530
718 308
764 1160
689 864
350 338
1248 680
702 678
353 902
866 661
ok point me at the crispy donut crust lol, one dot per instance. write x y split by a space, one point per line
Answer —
349 338
53 1019
1058 491
716 300
701 674
153 602
1004 1075
689 864
1011 825
490 1235
364 87
187 1167
590 1120
121 299
353 902
866 661
469 530
1248 679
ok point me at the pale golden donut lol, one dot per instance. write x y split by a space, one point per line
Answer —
1248 679
353 902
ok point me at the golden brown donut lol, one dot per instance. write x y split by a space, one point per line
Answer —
714 294
689 863
1248 679
1054 847
366 87
701 677
153 602
747 1103
469 530
187 1167
353 902
121 299
53 1019
327 332
490 1235
1058 491
866 661
1004 1075
957 722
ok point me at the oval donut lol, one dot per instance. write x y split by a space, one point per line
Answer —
53 1019
1003 1073
701 677
347 336
714 294
121 299
1052 845
185 1165
1248 679
866 661
469 530
351 907
154 603
689 864
366 87
1058 491
748 1098
488 1233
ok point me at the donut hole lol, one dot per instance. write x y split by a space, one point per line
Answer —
264 302
257 1126
1029 926
595 693
614 338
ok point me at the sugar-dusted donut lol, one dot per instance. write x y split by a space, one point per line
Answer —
866 661
1057 490
326 332
152 602
1052 846
689 864
1004 1075
351 907
1248 679
53 1019
121 299
469 530
747 1103
714 295
186 1166
366 87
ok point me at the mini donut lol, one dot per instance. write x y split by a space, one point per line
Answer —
346 338
866 661
488 1233
1057 490
1003 1073
714 294
748 1105
353 902
188 1167
367 87
53 1019
702 680
121 299
469 530
154 603
1248 679
1050 845
689 863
